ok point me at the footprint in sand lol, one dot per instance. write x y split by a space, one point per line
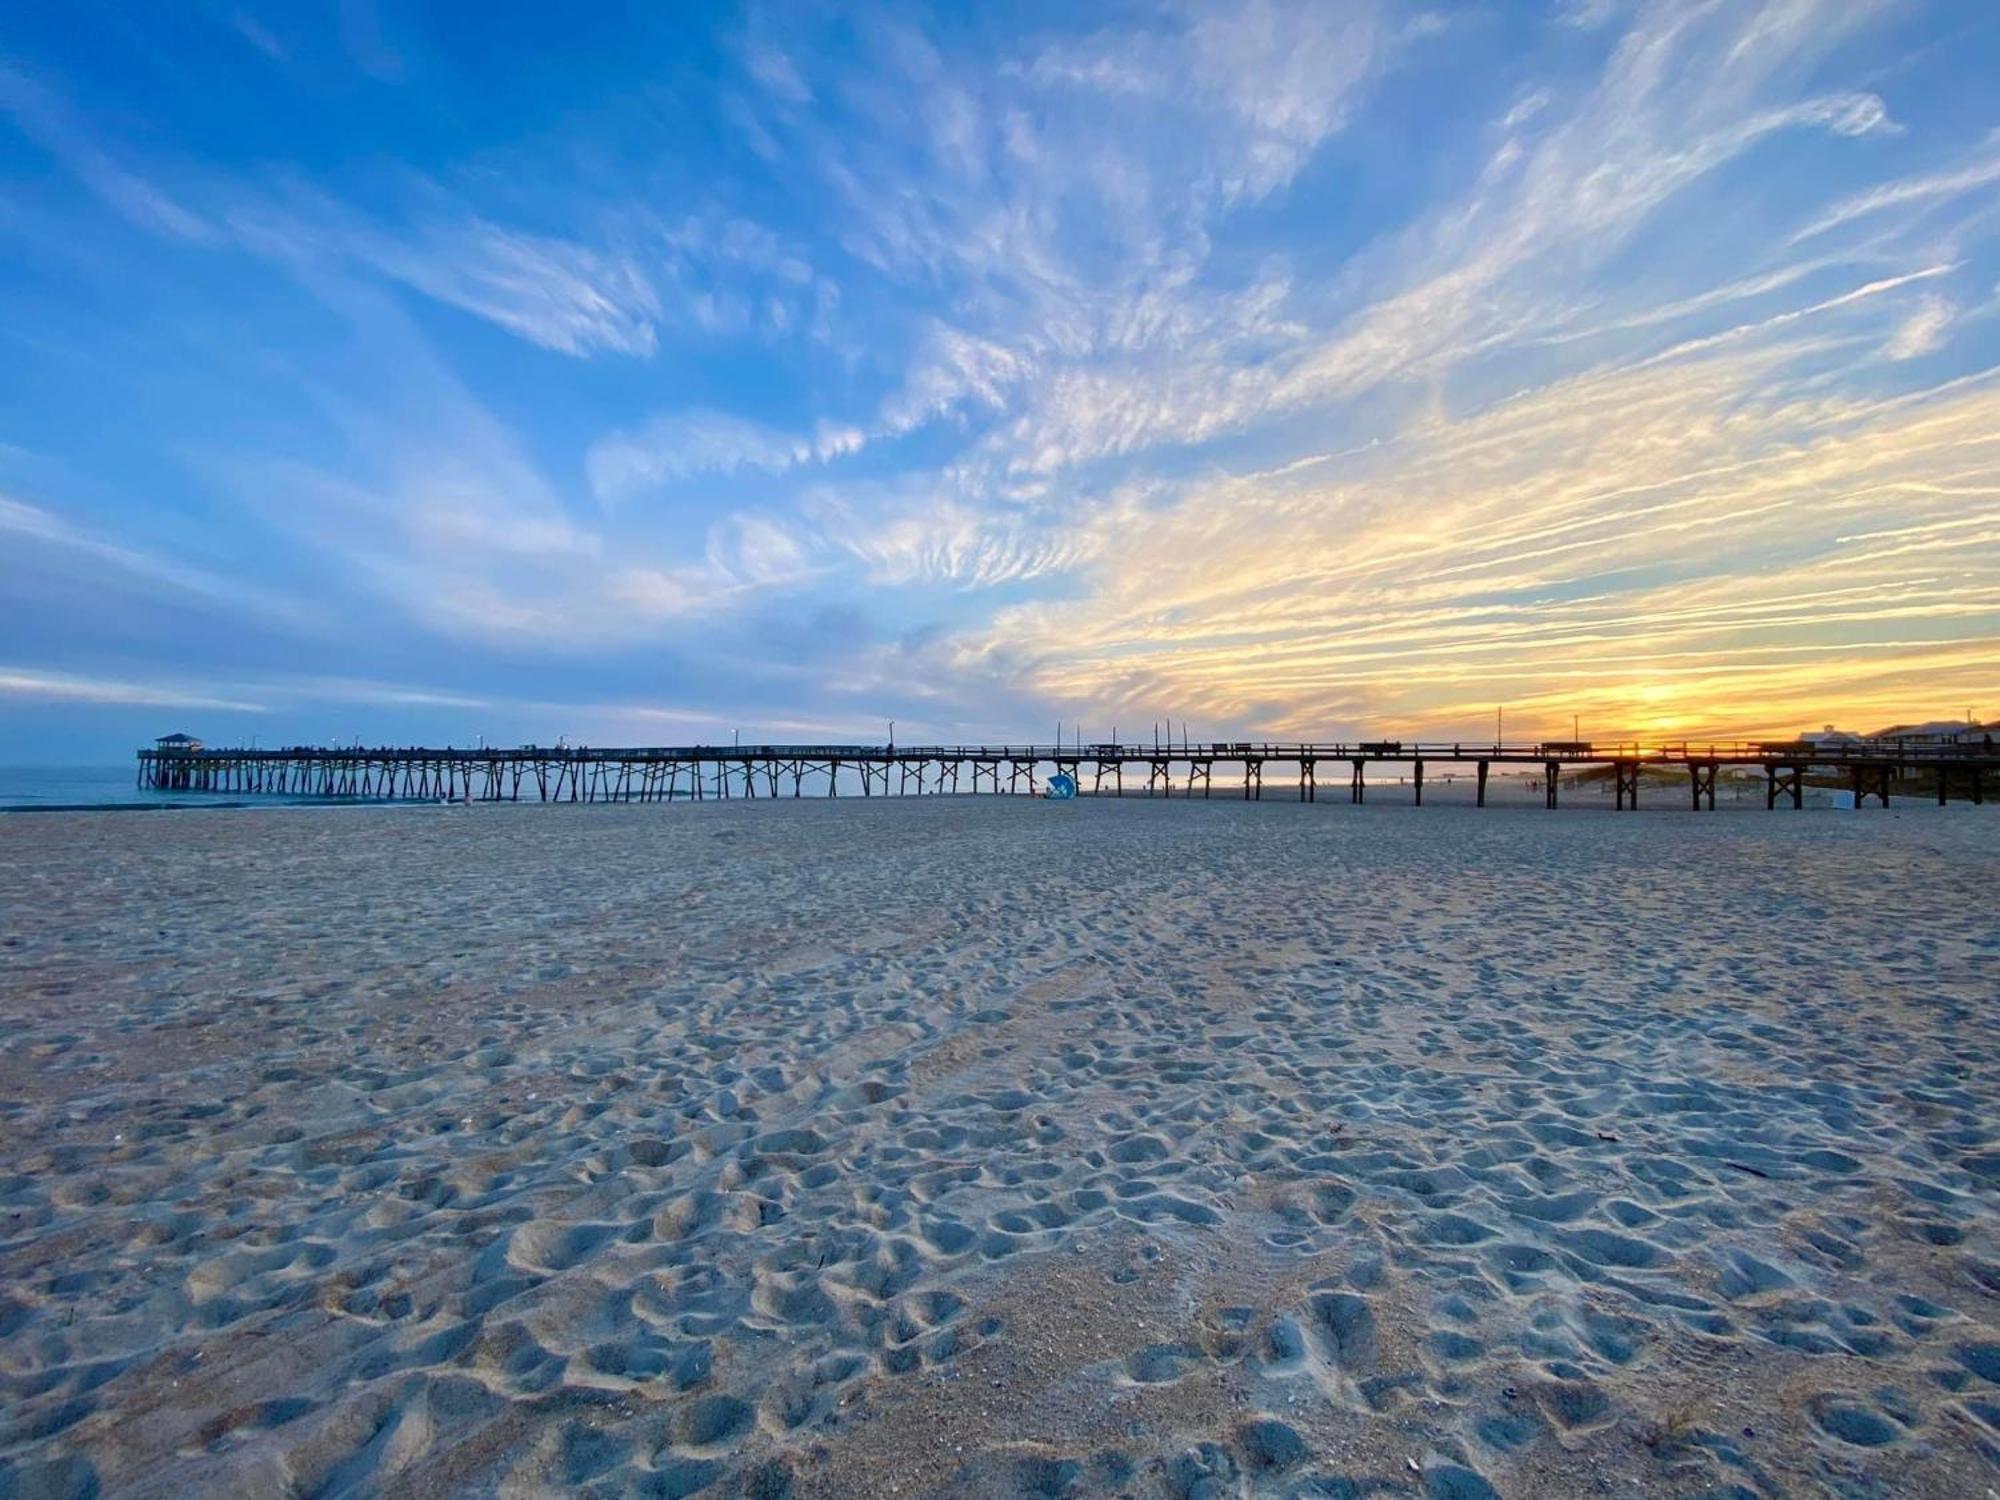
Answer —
1863 1423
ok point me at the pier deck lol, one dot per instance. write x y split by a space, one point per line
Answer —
1869 768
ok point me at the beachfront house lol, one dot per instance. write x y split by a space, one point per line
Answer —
1829 738
1939 734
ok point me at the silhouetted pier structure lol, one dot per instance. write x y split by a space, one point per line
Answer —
1870 768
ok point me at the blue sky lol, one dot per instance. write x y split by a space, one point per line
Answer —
644 374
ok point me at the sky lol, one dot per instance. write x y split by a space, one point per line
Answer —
652 374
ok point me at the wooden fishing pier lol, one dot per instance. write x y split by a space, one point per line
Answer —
1868 768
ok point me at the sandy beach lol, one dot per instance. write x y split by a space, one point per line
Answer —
992 1147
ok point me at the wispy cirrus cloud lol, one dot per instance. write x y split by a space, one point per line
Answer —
1921 190
124 566
552 292
33 685
922 533
557 293
685 445
1082 356
1046 254
48 119
1681 98
1923 331
1574 549
1258 86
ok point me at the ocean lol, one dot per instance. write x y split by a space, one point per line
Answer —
49 788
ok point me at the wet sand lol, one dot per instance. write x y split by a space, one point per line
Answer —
999 1148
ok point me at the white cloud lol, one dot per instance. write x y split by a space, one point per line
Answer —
1086 359
1923 331
1525 109
559 293
1269 82
34 685
126 564
1668 113
49 121
1922 188
1712 536
962 187
1586 15
368 692
447 519
776 72
922 532
551 292
685 445
258 35
752 549
951 367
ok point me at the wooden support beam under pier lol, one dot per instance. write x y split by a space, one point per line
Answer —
1975 784
1871 781
1701 783
1626 775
